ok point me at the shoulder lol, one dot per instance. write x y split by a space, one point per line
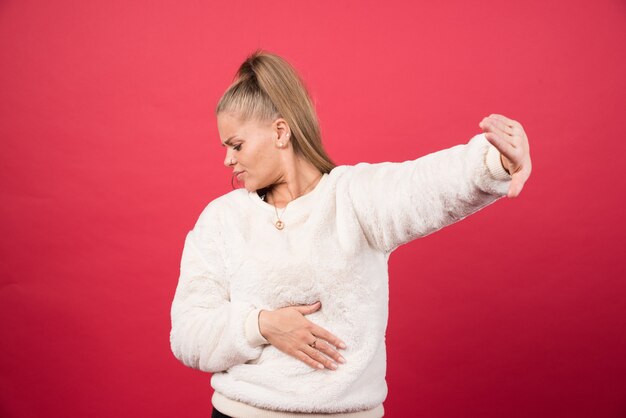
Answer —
362 170
223 207
342 172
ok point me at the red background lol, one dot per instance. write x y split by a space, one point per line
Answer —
110 151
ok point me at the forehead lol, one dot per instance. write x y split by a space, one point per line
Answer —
229 123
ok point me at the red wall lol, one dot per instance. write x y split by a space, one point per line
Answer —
110 151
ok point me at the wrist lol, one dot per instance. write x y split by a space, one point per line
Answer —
261 321
265 318
253 330
497 164
504 164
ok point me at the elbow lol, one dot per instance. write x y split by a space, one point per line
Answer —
182 353
192 355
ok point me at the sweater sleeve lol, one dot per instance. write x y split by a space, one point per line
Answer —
398 202
209 331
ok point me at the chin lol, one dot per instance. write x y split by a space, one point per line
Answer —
255 187
250 186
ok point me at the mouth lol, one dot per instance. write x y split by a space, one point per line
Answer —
238 174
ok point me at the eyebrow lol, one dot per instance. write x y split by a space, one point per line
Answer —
227 142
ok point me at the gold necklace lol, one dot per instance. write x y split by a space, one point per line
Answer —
279 224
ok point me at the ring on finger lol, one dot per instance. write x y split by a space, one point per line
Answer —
312 345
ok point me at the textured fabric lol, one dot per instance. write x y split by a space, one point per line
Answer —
239 409
334 248
253 334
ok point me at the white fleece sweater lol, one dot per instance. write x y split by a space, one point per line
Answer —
334 248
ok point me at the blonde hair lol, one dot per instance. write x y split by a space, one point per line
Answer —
267 87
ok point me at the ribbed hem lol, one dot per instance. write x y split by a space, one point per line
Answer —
253 333
238 409
494 164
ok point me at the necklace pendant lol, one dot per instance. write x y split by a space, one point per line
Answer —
279 224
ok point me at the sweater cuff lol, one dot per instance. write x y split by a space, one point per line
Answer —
253 334
494 164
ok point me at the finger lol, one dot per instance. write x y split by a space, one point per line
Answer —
308 309
514 128
509 122
329 351
325 335
319 357
501 125
505 132
502 145
305 358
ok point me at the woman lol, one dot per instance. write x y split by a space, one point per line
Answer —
283 289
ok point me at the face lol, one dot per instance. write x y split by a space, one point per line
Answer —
252 149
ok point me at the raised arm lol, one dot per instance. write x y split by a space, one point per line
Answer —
398 202
208 329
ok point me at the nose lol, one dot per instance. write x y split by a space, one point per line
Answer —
229 160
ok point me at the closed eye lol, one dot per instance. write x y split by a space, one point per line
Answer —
237 147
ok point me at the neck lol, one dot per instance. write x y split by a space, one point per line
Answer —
300 178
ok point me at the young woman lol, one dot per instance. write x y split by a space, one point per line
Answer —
283 291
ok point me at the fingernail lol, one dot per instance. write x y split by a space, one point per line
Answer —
320 366
342 345
342 360
333 366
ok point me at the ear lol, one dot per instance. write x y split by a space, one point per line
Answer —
283 133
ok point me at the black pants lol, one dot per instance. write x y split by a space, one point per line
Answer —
218 414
